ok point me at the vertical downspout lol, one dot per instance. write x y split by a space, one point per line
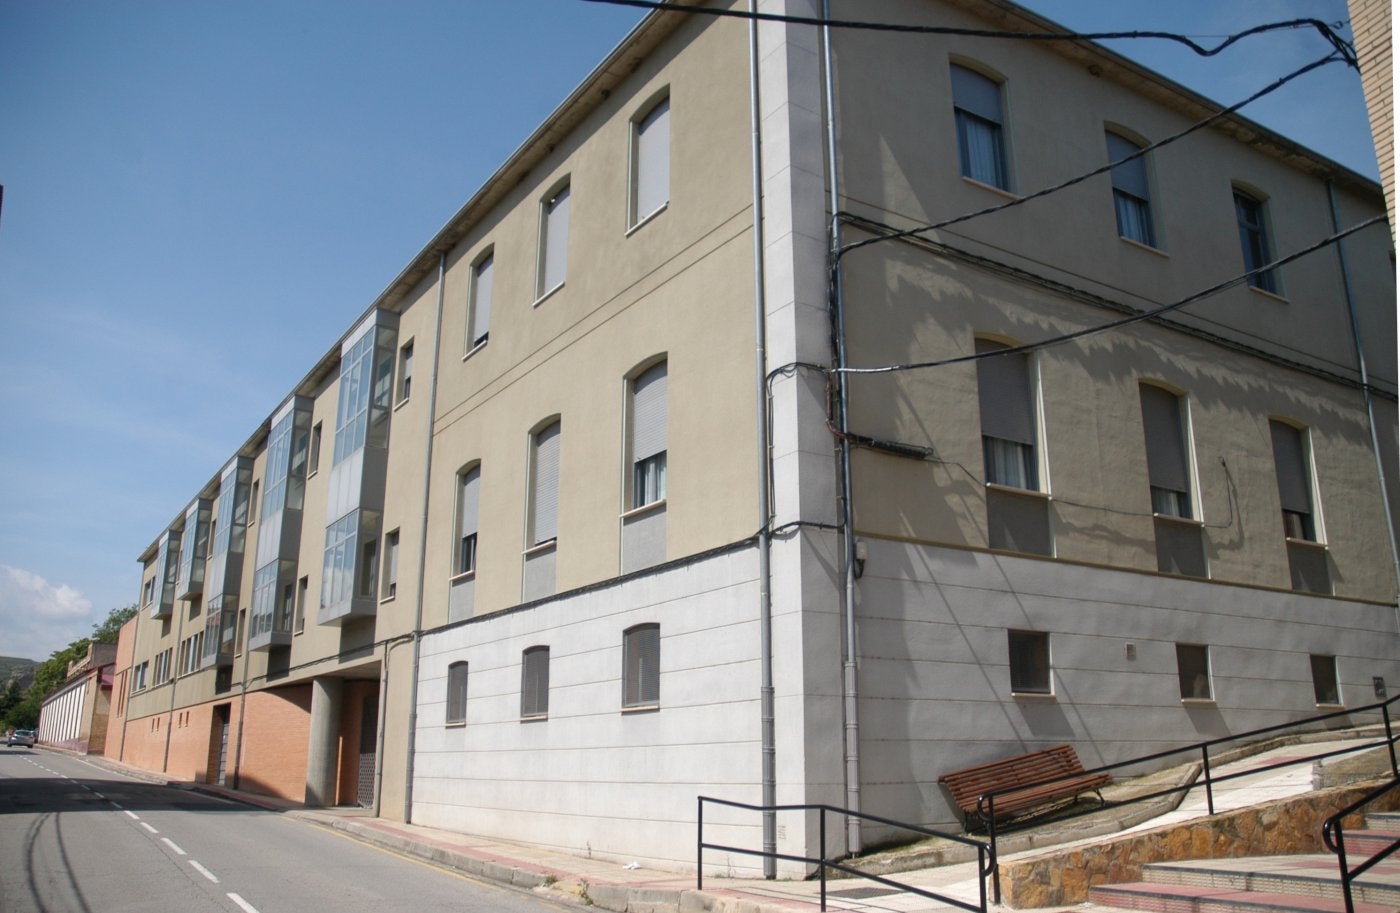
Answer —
767 734
417 633
1365 386
850 693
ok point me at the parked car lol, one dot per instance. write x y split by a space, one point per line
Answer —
23 737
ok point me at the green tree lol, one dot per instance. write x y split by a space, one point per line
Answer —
52 672
105 632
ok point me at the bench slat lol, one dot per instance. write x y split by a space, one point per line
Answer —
1060 766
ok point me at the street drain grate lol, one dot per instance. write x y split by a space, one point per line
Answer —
862 893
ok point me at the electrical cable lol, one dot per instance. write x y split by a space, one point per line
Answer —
1325 29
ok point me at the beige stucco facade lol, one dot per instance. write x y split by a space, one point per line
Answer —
412 693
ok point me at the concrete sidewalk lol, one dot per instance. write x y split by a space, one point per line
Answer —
617 886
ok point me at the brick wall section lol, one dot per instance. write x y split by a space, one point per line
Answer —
145 742
1370 30
1293 826
276 731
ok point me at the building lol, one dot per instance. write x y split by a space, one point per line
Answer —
613 499
75 716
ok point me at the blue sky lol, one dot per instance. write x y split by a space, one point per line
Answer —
200 197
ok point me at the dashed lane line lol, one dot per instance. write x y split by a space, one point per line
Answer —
205 872
171 843
247 907
149 828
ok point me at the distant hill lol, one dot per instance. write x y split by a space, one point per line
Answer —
12 666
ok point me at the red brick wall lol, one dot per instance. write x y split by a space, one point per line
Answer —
276 729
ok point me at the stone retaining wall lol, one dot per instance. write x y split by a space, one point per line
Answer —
1291 826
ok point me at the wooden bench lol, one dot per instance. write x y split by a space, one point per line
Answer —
1031 780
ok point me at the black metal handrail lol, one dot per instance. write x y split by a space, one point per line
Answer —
986 856
1332 836
1209 778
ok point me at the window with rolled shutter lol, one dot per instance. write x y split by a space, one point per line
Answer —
554 241
456 693
1131 201
648 436
468 500
544 493
641 672
479 317
534 682
977 114
651 161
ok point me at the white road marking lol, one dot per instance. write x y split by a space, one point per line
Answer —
170 843
149 828
115 804
249 908
131 814
203 871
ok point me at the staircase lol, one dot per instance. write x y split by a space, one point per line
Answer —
1267 884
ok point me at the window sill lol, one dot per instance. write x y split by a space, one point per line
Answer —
641 708
383 600
1272 296
476 348
637 225
401 403
644 509
1306 543
541 548
1145 247
547 294
999 191
1183 521
463 577
1330 707
1034 696
1198 702
455 724
1012 489
539 718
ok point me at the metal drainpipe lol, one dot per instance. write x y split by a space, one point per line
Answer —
422 560
1365 387
850 693
765 595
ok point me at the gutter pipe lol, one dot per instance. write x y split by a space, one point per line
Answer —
765 596
850 693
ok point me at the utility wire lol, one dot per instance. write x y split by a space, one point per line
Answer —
1327 31
1079 179
1125 321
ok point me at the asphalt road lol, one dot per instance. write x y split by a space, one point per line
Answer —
75 838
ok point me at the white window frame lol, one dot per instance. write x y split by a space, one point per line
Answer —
968 111
1209 675
1132 187
483 272
641 669
534 682
1040 642
471 473
455 711
553 234
642 166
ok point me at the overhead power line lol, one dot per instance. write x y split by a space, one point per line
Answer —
1328 31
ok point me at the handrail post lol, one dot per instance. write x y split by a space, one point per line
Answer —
1205 769
1342 863
1390 739
821 852
700 844
982 873
992 839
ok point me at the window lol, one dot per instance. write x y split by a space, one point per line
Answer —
1029 656
253 505
544 485
456 693
1008 417
405 370
1168 471
651 162
468 499
161 669
534 683
1131 200
1017 520
138 676
1180 546
391 565
977 111
479 307
641 666
1308 568
1254 240
1324 676
303 587
314 459
1193 672
1294 492
647 437
554 241
148 592
369 567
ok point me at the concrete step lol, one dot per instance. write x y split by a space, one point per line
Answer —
1311 875
1182 898
1385 822
1365 844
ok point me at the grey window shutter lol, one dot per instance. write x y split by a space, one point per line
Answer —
546 485
1166 444
649 413
556 240
653 160
481 301
976 94
1004 393
1130 177
1291 467
468 500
